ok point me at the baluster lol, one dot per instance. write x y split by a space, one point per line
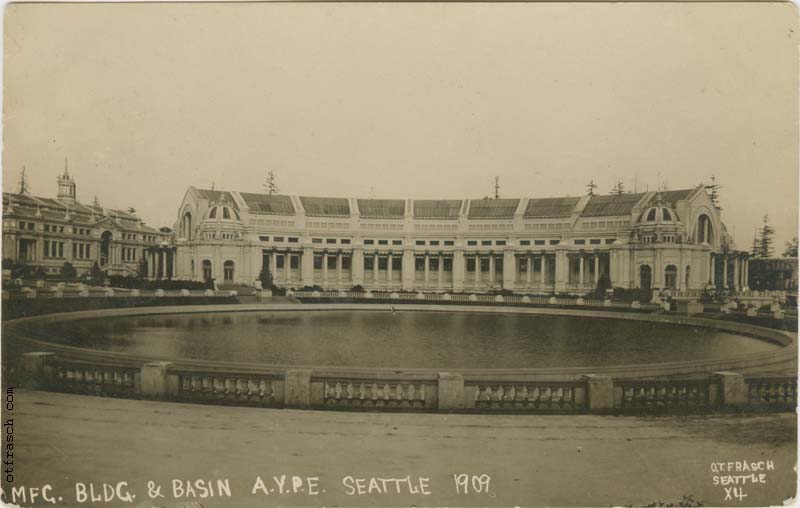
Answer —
338 390
386 390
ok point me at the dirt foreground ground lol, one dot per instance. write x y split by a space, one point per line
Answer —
66 447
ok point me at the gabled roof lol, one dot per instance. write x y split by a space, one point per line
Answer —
492 208
437 208
382 208
671 197
550 208
268 204
614 204
215 195
325 207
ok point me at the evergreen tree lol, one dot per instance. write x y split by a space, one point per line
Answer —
765 240
590 187
755 250
619 188
265 277
96 273
791 248
24 187
68 271
270 184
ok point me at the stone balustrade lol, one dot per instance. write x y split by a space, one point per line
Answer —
416 390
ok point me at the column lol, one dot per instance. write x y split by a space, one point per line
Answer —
441 270
375 270
339 268
324 269
580 269
491 269
713 275
389 270
736 273
529 276
175 263
509 269
307 266
163 255
458 270
357 267
596 269
725 271
427 269
562 266
407 270
746 273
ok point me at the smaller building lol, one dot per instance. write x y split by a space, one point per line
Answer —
46 233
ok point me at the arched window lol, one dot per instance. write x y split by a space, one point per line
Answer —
187 226
704 232
228 270
671 277
645 277
207 274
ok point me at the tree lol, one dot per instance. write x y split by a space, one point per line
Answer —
96 273
142 269
590 187
765 239
791 248
713 191
270 184
68 271
754 249
24 187
619 188
265 277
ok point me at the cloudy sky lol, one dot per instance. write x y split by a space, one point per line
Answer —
405 100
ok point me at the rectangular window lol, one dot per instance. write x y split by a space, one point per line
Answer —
88 254
433 264
498 265
397 242
345 241
346 260
47 248
369 262
448 264
330 240
523 265
538 242
294 262
292 239
277 239
383 242
555 242
263 238
419 264
279 261
61 249
47 227
484 264
317 262
383 263
500 242
472 242
580 242
486 242
397 263
449 242
525 242
369 242
316 240
331 262
31 226
74 251
420 242
433 242
470 264
609 241
594 241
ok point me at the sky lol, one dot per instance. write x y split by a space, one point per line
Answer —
405 100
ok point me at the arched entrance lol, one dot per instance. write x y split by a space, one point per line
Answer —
704 232
207 274
228 271
671 277
105 248
645 277
186 226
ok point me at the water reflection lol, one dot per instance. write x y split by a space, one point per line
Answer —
402 339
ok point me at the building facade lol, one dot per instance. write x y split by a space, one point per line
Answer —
45 233
658 240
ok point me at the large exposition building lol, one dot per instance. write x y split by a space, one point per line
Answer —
671 239
45 233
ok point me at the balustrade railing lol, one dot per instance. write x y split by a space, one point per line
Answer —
772 391
92 379
538 396
664 394
230 388
355 393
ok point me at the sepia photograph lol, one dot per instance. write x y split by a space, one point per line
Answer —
376 254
